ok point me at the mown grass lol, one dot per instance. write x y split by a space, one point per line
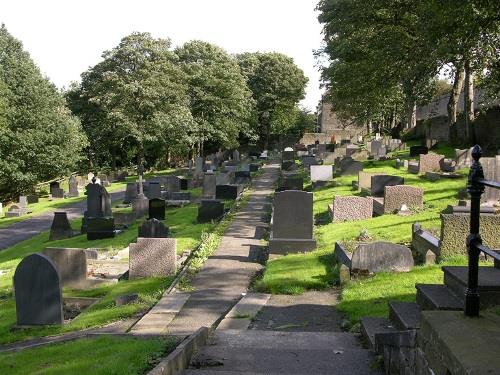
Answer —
295 273
96 356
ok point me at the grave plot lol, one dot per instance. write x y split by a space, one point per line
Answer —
350 208
399 199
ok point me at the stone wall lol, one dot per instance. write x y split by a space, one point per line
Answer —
455 229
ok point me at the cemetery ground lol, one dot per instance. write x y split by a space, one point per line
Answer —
183 227
318 270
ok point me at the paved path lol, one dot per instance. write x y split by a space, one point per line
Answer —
28 228
227 273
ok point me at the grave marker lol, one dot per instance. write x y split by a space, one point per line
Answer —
152 257
153 228
60 228
71 264
210 209
351 208
157 208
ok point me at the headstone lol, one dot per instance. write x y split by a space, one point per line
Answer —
157 208
288 155
491 170
33 198
348 166
228 191
209 183
290 182
379 182
90 177
292 222
140 206
254 167
1 208
16 211
55 190
418 150
413 166
288 165
152 257
430 163
184 183
23 201
463 158
130 192
199 165
396 196
73 187
375 146
100 227
173 183
236 155
242 177
430 143
321 173
153 228
180 196
154 190
61 228
351 208
71 264
38 293
209 210
308 161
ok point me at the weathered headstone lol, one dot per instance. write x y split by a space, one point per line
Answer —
348 166
350 208
130 192
184 183
290 182
491 169
153 228
236 155
32 198
430 163
61 228
157 208
154 190
199 165
210 209
152 257
140 206
379 182
288 155
288 165
308 161
173 183
375 145
399 195
100 227
73 187
292 223
209 183
55 190
16 211
180 196
418 150
71 264
37 290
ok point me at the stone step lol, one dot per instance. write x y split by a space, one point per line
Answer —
284 361
284 340
371 326
214 372
404 315
455 278
437 297
241 315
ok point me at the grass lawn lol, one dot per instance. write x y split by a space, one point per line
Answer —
296 273
103 355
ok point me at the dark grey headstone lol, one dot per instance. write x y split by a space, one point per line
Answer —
37 290
173 183
153 228
61 228
210 209
290 183
417 150
157 208
32 198
55 190
100 227
228 191
98 201
154 190
184 182
71 264
307 161
209 183
180 196
382 257
288 155
288 165
73 187
379 182
242 177
140 206
130 192
348 166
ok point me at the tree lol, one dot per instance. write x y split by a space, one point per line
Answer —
277 85
219 99
137 96
39 138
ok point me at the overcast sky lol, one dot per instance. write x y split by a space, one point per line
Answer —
66 37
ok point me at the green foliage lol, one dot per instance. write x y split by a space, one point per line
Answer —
39 138
277 85
109 355
220 100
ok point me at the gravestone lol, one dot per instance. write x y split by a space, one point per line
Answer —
152 257
157 208
180 196
32 198
463 158
100 227
228 191
254 167
210 209
154 190
61 228
71 265
379 182
37 290
430 162
173 184
491 170
321 173
351 208
412 166
23 201
290 182
288 165
55 190
365 180
348 166
73 187
351 150
236 155
98 201
16 211
184 183
288 155
130 192
199 166
292 222
242 177
375 145
224 178
90 177
140 206
418 150
396 196
209 183
307 161
153 228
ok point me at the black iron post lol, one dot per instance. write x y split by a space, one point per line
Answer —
475 189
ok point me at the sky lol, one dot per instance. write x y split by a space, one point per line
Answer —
65 38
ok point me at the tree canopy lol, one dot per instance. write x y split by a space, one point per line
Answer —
39 137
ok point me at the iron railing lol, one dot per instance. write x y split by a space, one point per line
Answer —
475 187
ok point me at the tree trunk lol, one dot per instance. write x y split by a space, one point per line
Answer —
140 167
266 139
469 104
369 127
393 119
113 159
458 84
411 115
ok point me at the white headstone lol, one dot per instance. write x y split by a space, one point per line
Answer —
377 136
288 149
321 173
1 208
90 176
